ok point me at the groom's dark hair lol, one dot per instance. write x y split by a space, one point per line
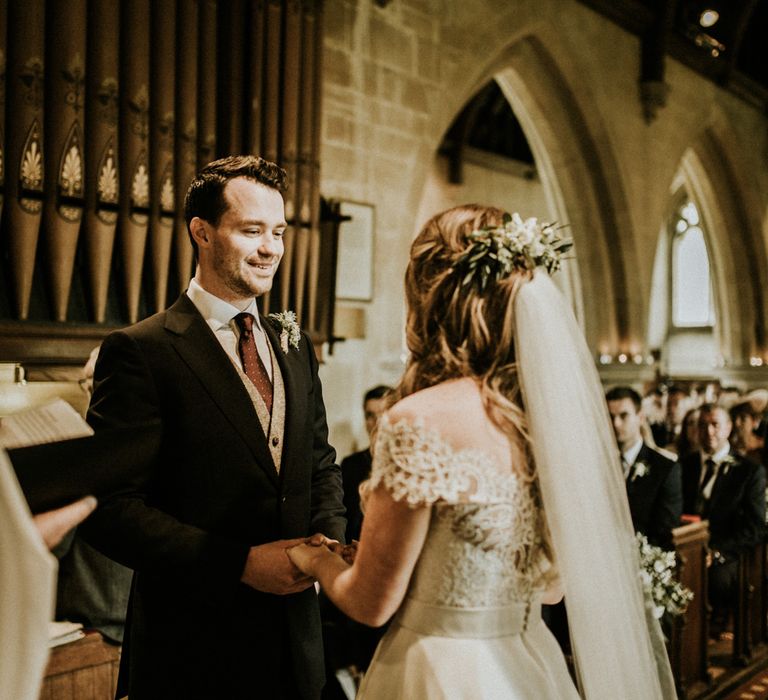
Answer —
205 196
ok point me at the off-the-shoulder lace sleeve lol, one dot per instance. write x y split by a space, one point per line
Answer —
413 463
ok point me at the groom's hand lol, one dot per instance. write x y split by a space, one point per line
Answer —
268 569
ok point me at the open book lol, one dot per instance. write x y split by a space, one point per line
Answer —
63 632
51 422
58 458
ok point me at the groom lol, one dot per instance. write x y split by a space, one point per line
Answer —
245 470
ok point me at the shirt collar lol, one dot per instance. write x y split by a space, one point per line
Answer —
719 456
630 455
217 312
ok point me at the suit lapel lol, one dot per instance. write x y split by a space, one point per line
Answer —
721 480
633 481
201 351
295 395
691 477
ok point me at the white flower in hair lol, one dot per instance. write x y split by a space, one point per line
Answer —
493 253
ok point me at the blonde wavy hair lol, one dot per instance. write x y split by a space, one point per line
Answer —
454 329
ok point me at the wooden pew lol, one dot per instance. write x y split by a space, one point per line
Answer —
750 623
758 577
688 639
82 670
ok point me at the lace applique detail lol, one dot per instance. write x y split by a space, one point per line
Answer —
418 466
485 544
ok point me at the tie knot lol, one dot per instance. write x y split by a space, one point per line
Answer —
244 322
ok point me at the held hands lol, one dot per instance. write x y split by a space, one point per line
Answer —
314 549
273 567
268 569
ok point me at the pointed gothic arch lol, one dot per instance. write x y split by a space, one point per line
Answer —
581 179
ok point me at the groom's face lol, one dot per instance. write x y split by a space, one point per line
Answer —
243 251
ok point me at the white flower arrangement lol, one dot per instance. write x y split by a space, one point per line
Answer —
663 593
290 333
493 253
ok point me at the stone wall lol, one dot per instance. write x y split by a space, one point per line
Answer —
396 77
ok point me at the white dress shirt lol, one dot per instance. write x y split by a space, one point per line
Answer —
629 456
220 316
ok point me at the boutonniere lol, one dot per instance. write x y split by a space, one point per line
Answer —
727 462
290 333
639 470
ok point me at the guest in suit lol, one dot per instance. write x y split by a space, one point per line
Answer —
654 483
678 402
729 491
356 468
245 470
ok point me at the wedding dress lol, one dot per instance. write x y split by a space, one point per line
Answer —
470 625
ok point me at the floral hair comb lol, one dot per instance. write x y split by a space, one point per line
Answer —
493 253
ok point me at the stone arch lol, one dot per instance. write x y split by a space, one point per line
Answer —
582 180
733 216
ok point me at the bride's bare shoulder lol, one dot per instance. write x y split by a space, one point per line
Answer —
454 411
435 404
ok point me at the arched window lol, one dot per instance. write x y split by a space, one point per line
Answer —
691 289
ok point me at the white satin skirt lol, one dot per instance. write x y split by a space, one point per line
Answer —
434 653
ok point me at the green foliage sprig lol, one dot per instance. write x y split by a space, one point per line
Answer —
493 253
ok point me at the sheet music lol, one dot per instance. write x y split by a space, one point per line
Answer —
51 422
63 632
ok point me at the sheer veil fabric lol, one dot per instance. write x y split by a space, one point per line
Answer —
618 649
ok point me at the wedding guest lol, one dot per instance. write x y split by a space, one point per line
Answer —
356 468
495 482
653 482
746 414
729 491
677 403
688 440
217 609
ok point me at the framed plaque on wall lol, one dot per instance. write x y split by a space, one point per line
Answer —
354 263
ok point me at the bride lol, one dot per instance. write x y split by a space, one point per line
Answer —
495 487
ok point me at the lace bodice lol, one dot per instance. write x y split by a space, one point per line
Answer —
484 547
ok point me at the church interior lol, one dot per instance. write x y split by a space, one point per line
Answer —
639 127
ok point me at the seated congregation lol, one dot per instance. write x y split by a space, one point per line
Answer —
694 465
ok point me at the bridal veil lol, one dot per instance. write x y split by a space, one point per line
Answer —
618 648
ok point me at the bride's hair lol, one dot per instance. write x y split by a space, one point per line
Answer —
457 328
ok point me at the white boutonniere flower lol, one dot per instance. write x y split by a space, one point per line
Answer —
727 463
290 333
639 470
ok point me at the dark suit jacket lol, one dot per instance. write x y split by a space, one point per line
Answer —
195 631
736 509
656 498
354 470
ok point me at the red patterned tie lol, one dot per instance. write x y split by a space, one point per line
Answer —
252 365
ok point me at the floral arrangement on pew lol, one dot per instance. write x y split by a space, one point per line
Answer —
663 592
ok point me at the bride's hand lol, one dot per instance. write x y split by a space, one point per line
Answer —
306 556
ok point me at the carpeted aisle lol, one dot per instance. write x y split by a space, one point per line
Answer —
756 688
